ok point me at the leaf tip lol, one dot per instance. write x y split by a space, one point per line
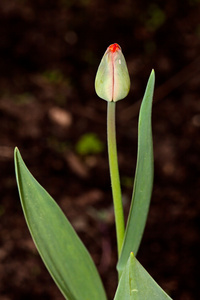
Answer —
152 75
16 153
16 150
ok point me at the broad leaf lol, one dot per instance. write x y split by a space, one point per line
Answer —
63 253
137 284
143 179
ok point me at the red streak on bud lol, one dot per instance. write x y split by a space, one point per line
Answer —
114 47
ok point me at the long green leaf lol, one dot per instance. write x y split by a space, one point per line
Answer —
137 284
63 253
143 179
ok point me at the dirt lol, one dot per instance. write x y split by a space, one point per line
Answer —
49 54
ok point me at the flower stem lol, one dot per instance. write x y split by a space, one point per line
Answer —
114 174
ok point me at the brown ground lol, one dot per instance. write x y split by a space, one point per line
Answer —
49 54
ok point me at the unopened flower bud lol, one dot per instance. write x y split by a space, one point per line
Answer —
112 82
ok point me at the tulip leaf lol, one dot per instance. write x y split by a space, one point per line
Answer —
143 182
136 284
63 253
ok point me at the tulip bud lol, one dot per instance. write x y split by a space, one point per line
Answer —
112 82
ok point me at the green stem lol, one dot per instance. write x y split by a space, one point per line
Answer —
114 174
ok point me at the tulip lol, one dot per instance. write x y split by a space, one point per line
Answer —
112 82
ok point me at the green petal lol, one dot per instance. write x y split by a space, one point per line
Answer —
104 78
121 77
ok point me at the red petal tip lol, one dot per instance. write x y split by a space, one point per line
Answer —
114 47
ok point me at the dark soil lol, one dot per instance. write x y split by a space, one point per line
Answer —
49 54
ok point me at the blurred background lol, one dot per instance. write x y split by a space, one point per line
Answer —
49 54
